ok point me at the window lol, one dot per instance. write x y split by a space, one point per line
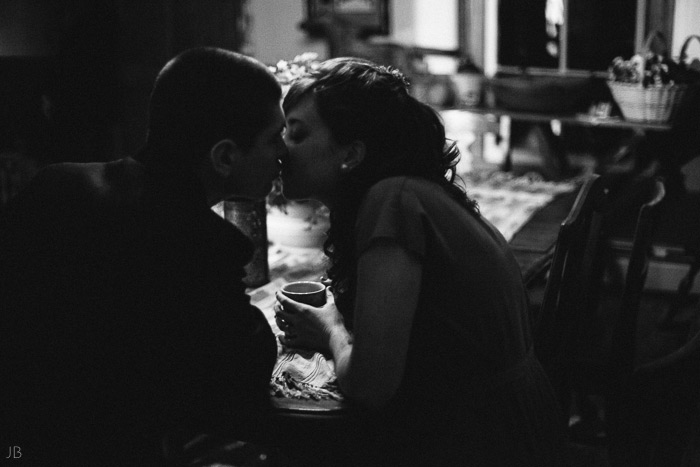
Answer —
575 35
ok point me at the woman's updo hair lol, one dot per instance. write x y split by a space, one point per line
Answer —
360 100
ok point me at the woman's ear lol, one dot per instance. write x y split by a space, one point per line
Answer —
355 154
223 156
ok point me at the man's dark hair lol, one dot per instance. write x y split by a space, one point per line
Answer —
202 96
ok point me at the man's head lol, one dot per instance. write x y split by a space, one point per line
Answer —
216 114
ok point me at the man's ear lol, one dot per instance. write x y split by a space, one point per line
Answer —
355 154
223 156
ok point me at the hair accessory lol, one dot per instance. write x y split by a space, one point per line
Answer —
397 77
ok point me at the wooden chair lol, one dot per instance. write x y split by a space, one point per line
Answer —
571 305
572 266
623 343
653 417
686 212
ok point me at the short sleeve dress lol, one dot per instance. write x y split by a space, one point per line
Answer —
472 392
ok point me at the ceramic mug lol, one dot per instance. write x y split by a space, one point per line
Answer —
309 292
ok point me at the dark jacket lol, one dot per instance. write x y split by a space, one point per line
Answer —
124 316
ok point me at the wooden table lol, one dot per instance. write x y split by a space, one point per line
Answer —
578 119
553 153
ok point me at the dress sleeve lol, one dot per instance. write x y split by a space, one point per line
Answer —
392 211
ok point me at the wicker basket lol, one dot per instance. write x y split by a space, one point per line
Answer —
652 104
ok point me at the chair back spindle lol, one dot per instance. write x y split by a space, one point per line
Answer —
565 334
624 342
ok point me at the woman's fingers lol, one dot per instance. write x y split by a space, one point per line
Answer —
325 281
282 299
290 305
299 322
288 339
282 322
285 340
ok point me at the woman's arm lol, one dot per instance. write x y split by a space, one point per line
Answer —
370 363
371 368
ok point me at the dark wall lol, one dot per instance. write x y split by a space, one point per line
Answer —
150 33
84 88
58 75
76 74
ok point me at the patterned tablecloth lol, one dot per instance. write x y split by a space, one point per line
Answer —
507 202
298 374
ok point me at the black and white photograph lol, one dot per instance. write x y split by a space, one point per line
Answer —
350 233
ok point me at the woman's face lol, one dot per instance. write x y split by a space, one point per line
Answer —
312 167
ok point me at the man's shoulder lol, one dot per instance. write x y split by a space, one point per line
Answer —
86 181
115 181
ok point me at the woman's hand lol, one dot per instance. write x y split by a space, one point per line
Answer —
306 326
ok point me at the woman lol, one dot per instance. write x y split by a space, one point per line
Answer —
427 324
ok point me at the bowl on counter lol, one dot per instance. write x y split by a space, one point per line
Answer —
542 94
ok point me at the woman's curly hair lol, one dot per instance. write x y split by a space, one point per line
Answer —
360 100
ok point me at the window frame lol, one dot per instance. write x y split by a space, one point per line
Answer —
481 17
